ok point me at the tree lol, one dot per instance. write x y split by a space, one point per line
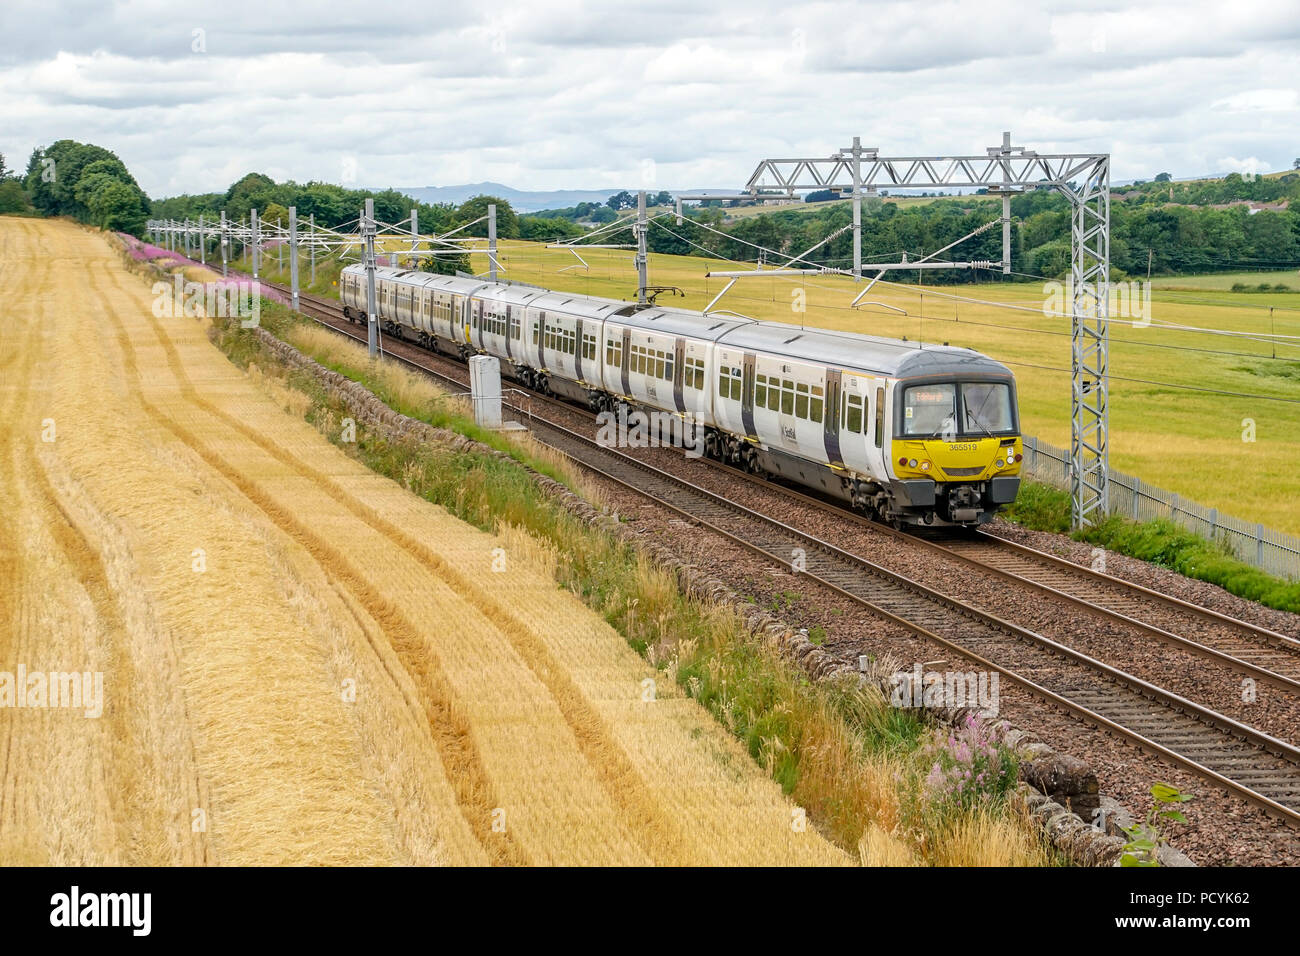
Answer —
12 197
476 208
115 205
88 183
621 200
1295 163
1163 177
538 228
444 265
274 213
4 170
246 194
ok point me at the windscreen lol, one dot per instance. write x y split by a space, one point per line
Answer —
930 409
951 409
986 407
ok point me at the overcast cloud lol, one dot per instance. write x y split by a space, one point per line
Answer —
669 94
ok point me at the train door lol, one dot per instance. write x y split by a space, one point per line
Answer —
626 370
577 351
831 419
787 424
747 396
679 372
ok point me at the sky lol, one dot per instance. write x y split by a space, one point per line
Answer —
665 94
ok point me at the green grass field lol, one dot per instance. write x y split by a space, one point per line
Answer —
1184 440
1224 281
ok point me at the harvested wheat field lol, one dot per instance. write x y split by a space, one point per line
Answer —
302 662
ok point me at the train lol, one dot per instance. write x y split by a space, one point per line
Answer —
909 433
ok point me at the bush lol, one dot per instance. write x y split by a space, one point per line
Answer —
12 198
1040 507
1164 543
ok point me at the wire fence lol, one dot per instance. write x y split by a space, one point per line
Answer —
1269 550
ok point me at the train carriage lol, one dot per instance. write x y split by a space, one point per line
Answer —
498 327
562 344
917 434
660 360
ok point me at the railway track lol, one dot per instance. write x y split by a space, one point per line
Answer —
1244 647
1260 768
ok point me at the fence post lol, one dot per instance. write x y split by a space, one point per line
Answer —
1259 545
1214 522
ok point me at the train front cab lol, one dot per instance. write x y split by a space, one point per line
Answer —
956 452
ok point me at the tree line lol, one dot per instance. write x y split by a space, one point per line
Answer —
89 183
1162 237
1161 226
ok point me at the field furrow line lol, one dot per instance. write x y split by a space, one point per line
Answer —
452 735
658 834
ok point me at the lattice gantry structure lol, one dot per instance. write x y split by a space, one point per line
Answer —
1006 171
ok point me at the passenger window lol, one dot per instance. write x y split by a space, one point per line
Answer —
787 397
853 416
816 407
801 402
760 391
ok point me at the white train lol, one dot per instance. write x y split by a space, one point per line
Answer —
913 434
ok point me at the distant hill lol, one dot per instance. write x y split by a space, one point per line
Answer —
522 200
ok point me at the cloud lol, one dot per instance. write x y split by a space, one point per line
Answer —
550 94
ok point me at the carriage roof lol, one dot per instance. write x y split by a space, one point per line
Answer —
867 353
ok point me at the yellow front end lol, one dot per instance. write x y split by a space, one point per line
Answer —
973 459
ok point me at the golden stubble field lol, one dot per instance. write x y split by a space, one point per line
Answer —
303 663
1189 440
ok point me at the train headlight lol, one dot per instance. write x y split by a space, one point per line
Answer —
925 466
903 461
999 462
911 463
